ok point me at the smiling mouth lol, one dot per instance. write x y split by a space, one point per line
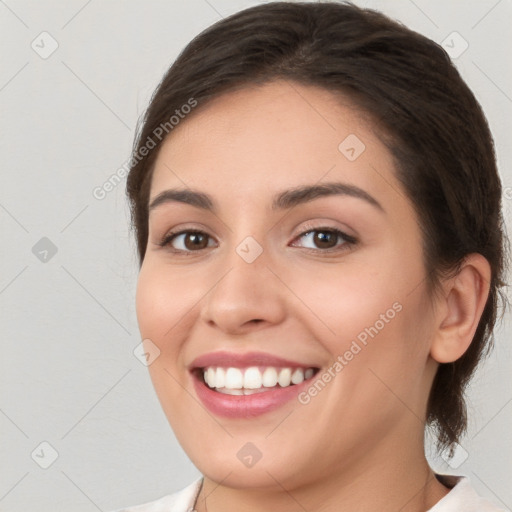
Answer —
253 379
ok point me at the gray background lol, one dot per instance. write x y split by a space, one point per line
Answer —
68 375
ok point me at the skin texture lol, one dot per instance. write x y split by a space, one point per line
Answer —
358 444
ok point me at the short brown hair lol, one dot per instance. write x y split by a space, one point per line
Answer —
427 117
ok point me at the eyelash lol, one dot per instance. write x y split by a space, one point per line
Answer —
348 240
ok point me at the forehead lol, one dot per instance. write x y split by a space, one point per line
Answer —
273 136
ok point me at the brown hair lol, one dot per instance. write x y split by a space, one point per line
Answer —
427 117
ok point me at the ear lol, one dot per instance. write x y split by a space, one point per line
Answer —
460 309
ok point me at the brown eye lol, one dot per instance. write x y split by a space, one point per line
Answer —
196 241
326 238
186 241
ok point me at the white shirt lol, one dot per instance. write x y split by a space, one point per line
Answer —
461 498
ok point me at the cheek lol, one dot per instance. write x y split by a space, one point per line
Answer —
167 304
149 302
373 314
161 314
344 303
160 302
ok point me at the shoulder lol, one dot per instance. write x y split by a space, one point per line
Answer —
181 501
462 497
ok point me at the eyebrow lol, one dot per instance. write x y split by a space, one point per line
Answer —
281 201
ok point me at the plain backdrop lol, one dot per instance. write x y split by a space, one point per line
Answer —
80 426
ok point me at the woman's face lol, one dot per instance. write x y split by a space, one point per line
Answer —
269 285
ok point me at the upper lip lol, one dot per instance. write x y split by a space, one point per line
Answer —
236 360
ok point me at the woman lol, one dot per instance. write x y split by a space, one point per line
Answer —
317 209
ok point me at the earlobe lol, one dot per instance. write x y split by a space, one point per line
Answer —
464 301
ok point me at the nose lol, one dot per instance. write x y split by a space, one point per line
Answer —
247 296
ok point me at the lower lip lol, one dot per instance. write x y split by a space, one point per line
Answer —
246 406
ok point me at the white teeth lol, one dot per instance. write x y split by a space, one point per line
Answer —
236 381
252 391
227 391
210 375
297 376
270 377
215 378
252 378
220 378
285 377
